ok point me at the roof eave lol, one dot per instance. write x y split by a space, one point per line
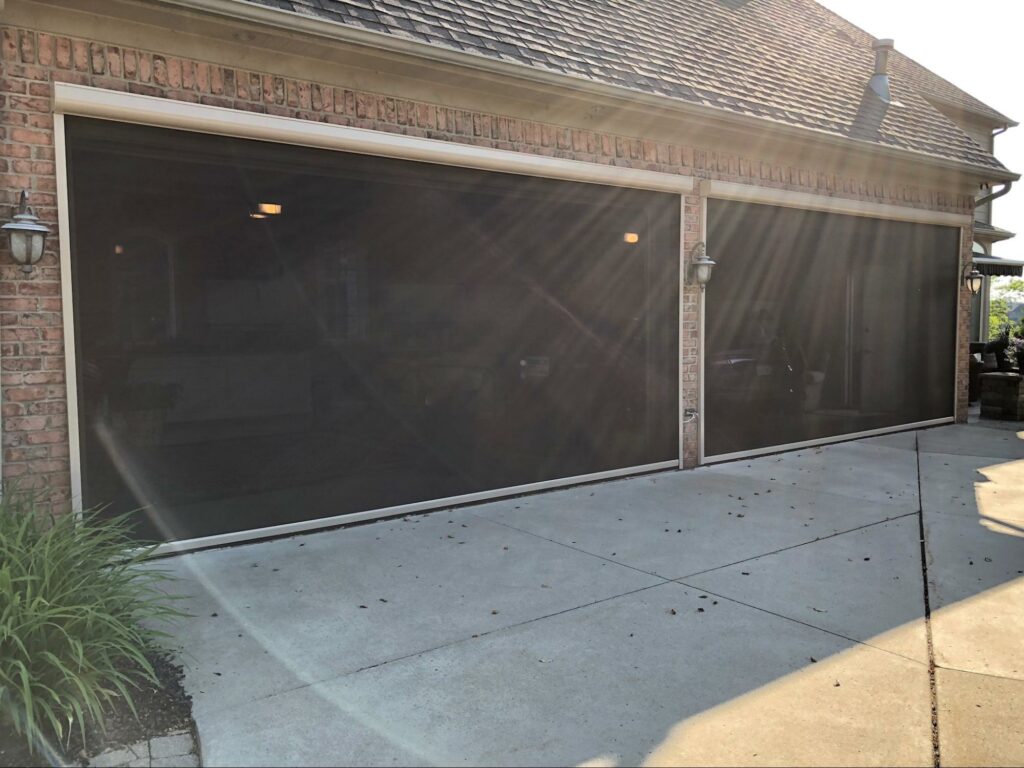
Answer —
338 32
992 234
993 118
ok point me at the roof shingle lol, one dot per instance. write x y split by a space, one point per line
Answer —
791 61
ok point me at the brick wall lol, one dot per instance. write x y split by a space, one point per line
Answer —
35 442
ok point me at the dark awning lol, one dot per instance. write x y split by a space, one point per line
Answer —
993 266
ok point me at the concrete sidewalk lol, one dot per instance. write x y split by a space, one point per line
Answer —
762 612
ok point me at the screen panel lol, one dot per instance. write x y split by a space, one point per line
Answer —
394 332
820 325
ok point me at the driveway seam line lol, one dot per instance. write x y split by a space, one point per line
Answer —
980 674
664 579
697 573
801 622
442 646
971 456
796 546
932 684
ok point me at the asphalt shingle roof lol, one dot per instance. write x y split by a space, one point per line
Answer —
790 61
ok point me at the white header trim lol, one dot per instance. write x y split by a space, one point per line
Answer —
747 193
85 101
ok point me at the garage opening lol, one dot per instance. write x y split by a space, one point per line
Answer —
268 334
820 325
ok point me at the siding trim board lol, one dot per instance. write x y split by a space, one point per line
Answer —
748 193
68 315
86 101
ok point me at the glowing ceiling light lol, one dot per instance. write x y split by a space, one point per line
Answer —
269 209
631 237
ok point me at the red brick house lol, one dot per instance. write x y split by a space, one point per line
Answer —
318 262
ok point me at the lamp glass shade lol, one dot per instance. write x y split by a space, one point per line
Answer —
20 246
702 271
975 281
38 243
27 247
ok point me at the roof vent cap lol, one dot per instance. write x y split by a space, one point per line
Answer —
880 79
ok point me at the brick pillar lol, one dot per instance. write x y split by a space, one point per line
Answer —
689 330
963 328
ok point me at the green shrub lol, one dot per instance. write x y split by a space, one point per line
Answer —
77 617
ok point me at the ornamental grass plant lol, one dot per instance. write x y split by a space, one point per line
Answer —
78 615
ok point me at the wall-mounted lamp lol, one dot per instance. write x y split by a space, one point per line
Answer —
973 279
702 265
27 235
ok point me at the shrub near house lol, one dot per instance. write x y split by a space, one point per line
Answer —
77 618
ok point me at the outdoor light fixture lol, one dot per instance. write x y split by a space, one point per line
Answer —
702 265
27 235
631 237
973 279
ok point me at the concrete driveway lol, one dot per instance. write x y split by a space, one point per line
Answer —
763 612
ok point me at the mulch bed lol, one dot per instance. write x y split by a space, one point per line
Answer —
161 710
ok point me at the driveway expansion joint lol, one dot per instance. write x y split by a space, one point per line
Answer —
796 546
441 646
988 675
933 687
777 615
574 548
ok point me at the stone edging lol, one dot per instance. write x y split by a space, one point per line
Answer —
175 750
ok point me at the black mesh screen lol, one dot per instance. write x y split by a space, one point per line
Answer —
398 332
819 325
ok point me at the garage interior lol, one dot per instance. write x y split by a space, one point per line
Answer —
820 325
268 334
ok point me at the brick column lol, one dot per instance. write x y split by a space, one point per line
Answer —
689 331
963 328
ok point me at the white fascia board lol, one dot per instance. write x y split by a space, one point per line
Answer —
86 101
749 193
